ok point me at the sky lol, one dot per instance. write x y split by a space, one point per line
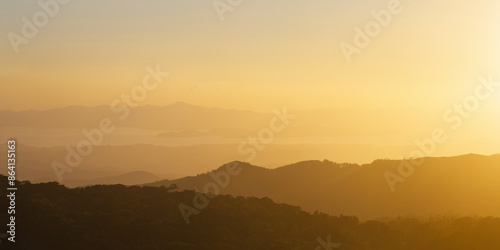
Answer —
264 54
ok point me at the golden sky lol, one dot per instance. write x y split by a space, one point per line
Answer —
264 54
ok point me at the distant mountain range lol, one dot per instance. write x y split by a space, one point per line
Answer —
167 137
177 116
462 185
129 179
188 119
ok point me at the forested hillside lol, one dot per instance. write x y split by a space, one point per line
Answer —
51 216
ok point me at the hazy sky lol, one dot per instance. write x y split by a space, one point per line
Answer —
264 54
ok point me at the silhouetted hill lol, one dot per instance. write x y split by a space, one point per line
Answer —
189 182
50 216
462 185
119 217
